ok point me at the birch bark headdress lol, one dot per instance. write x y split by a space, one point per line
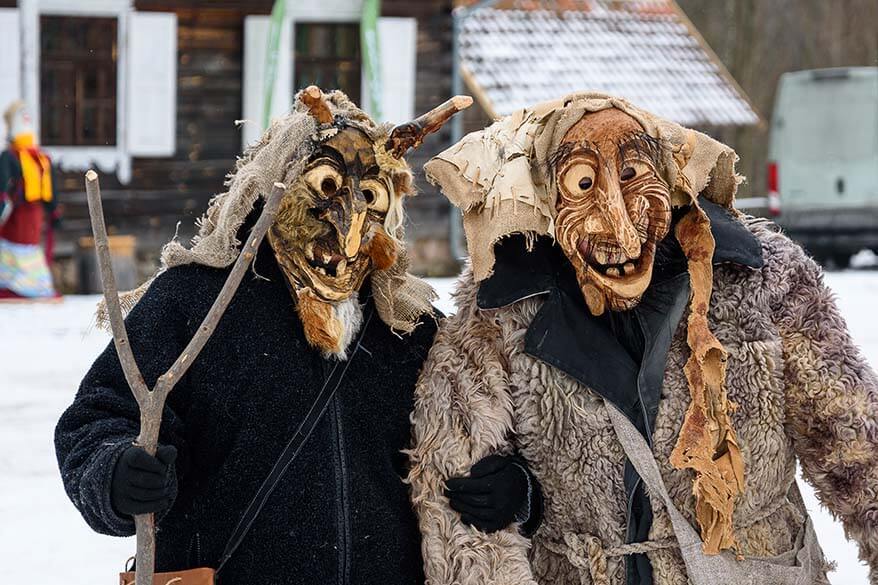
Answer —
523 173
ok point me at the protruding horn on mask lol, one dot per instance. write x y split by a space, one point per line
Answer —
312 97
410 135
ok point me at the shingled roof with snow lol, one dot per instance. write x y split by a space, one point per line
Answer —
643 50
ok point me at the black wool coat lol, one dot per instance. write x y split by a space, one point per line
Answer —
341 514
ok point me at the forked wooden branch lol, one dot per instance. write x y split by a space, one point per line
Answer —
152 403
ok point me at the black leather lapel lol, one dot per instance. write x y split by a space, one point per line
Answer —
565 335
659 315
734 242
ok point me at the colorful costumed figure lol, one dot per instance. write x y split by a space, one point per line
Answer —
660 361
330 331
26 202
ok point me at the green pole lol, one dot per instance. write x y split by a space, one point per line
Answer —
371 55
271 52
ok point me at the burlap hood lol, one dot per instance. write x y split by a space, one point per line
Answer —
280 156
501 180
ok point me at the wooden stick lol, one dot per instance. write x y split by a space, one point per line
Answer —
411 134
314 99
152 403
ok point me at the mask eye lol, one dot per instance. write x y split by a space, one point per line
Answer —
324 179
328 186
578 178
377 197
632 170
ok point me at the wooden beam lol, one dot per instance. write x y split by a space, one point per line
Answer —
481 96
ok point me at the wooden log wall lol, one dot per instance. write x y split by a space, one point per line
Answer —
429 212
165 191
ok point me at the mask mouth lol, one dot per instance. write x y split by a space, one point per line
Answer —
325 261
328 272
321 266
609 260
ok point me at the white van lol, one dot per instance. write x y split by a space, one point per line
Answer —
823 160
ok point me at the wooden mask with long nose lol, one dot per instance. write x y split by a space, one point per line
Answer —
613 207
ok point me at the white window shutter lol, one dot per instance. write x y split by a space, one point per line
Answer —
255 43
10 57
398 44
152 86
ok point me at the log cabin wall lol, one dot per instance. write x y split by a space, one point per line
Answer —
165 191
429 211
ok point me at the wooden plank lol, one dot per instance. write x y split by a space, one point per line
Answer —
243 6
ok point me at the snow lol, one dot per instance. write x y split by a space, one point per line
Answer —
46 349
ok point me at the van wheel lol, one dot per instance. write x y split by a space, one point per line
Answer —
841 260
821 257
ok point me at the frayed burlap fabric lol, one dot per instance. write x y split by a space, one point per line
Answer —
501 177
503 180
280 156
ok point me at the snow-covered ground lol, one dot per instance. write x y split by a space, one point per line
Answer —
46 348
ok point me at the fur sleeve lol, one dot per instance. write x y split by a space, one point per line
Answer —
463 412
832 398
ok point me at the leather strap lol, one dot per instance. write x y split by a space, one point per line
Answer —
293 448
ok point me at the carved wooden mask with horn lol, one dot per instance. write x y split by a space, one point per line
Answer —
339 221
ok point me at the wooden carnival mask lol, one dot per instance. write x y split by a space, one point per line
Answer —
330 228
613 207
339 221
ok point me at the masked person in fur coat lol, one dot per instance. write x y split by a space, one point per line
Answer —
660 361
329 302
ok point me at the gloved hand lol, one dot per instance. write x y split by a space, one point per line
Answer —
142 483
499 491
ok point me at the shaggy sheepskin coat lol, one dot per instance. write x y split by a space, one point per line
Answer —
803 392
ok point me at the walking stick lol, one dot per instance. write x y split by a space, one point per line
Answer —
151 403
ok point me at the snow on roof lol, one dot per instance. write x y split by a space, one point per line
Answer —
644 50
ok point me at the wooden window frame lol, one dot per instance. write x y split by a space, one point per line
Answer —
329 65
102 65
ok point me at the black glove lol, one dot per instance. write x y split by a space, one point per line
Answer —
499 491
143 483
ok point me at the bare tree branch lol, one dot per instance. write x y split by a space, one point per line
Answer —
152 403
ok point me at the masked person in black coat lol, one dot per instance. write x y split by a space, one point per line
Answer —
329 305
